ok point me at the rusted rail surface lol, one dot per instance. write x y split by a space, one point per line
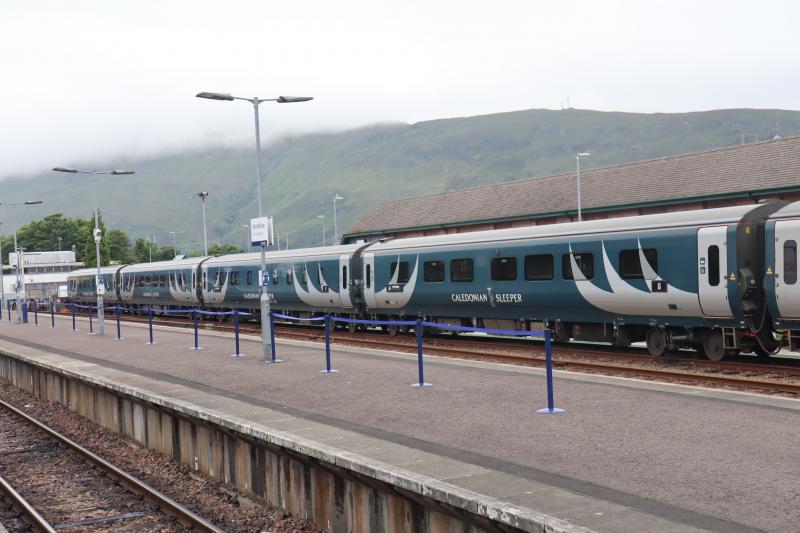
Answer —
32 447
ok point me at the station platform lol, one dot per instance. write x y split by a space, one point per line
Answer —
626 456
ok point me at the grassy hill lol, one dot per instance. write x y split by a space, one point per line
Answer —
373 164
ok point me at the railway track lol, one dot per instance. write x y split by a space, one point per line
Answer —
781 378
54 484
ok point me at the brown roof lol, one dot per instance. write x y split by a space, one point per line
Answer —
760 166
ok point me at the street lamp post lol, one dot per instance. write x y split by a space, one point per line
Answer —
2 283
335 227
266 328
247 237
323 228
203 195
174 245
98 236
578 172
19 287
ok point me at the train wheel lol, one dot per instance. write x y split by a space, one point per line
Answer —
351 327
656 341
392 329
713 346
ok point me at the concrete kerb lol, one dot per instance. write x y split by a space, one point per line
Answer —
427 487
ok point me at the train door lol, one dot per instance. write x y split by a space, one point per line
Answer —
787 289
344 281
369 279
712 268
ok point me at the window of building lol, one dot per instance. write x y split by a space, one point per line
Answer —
539 267
713 265
403 275
790 262
630 267
504 268
461 270
433 271
585 263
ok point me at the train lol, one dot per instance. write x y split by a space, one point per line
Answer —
721 281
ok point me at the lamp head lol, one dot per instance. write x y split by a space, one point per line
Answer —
64 169
121 172
215 96
293 99
584 154
33 202
203 195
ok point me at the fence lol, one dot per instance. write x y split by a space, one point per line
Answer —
327 320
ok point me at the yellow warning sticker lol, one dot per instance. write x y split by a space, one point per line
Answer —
733 276
769 270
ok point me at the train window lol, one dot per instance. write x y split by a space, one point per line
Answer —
219 278
713 265
368 276
402 275
461 270
290 276
234 277
585 262
304 277
163 280
275 276
630 267
344 276
790 262
539 267
433 271
205 280
504 268
250 277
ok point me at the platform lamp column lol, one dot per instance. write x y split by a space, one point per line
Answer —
98 236
266 330
578 172
203 195
335 226
2 283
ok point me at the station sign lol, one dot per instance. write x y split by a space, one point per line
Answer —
261 231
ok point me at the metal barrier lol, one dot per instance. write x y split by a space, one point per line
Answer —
327 320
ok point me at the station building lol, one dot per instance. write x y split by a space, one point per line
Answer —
43 273
733 175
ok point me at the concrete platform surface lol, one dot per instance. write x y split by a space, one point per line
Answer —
627 455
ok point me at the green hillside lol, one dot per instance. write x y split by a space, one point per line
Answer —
373 164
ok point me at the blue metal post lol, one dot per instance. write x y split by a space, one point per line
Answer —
236 331
420 370
73 316
196 347
9 310
328 369
35 314
272 337
550 409
91 332
52 314
150 324
119 333
24 311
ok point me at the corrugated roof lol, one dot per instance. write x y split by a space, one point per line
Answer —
766 165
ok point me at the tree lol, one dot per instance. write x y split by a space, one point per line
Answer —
219 249
89 255
142 249
119 246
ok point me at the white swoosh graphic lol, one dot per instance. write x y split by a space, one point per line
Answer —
393 300
624 299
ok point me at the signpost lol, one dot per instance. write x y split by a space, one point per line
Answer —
262 235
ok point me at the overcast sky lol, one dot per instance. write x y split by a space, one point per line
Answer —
87 81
